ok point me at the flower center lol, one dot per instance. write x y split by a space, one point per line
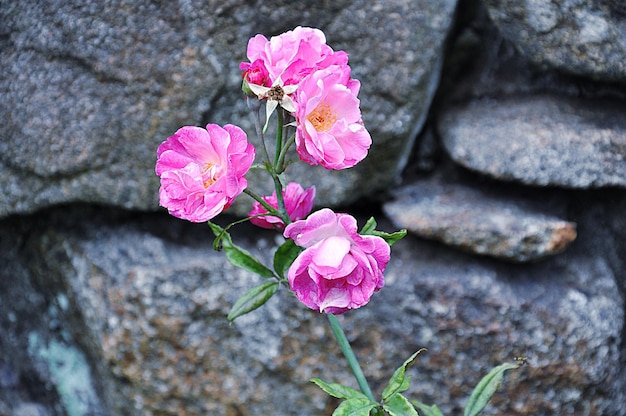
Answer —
276 93
323 117
210 174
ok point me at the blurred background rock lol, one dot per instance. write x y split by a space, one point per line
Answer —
499 143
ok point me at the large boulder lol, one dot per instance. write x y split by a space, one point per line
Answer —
480 220
577 37
540 139
123 315
90 90
106 311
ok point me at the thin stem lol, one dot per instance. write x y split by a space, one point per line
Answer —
344 344
275 169
261 201
257 126
283 153
279 136
284 215
270 209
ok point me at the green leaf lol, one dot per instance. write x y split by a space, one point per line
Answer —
370 229
284 256
252 299
355 407
425 409
398 405
338 390
237 255
392 238
220 233
486 388
241 258
398 381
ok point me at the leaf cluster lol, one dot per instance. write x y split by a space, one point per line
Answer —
394 403
258 295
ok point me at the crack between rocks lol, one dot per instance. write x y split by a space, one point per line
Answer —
84 64
77 61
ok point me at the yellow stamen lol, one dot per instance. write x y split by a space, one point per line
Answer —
209 175
323 117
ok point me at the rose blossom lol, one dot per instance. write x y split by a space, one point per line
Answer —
339 269
292 55
255 73
202 171
330 131
298 203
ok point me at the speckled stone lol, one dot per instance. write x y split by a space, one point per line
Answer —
146 299
474 220
90 90
540 140
580 37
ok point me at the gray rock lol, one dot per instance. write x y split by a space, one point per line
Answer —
107 312
90 90
477 221
152 316
145 298
30 409
578 37
482 63
42 370
469 313
540 140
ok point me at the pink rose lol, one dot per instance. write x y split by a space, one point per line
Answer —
255 73
298 202
294 54
330 131
202 171
339 269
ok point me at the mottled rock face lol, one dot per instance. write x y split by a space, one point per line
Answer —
583 38
478 221
540 140
145 299
112 312
90 90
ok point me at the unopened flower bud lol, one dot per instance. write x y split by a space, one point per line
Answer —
245 87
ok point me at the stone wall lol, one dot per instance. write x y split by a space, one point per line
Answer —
499 143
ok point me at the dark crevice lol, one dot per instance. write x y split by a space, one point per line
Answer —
83 64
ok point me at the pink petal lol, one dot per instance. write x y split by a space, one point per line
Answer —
336 298
331 251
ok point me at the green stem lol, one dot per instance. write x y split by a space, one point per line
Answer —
261 201
282 209
279 136
258 128
283 153
281 212
344 344
275 170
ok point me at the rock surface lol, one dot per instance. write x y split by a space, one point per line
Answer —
90 90
111 312
540 140
136 307
478 221
580 37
